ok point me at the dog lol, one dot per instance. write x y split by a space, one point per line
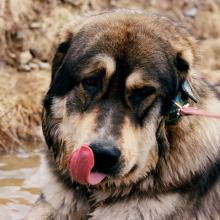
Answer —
118 147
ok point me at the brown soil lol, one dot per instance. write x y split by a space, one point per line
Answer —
28 35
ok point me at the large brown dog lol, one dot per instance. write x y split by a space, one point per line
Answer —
117 146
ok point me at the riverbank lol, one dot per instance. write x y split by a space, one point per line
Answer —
29 33
20 97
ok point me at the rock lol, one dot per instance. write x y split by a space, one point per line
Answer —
44 65
191 12
35 25
18 35
25 57
12 55
34 66
24 67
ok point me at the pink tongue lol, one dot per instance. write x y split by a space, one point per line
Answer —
80 164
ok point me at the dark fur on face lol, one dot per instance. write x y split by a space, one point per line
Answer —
125 89
114 76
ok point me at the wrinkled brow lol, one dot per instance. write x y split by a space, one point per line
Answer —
100 61
137 79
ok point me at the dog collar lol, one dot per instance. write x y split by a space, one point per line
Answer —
181 106
180 101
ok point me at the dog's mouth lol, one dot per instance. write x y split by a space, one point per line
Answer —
80 163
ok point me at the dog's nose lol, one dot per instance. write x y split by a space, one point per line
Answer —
107 158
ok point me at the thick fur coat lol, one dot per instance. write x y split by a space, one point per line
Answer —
114 77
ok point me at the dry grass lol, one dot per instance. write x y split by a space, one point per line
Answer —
21 93
20 107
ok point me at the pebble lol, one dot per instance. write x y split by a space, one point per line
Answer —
12 55
34 66
44 65
35 25
19 35
191 12
24 67
25 57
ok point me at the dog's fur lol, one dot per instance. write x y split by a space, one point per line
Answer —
167 171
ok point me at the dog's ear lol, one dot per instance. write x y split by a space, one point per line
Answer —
59 56
65 36
185 58
183 61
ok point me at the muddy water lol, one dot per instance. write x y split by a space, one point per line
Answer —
19 183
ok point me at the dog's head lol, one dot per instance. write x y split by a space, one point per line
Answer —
113 78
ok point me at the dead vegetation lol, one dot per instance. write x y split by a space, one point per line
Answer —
20 98
28 34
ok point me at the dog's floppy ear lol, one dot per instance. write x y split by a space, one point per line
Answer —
65 36
183 61
59 56
185 58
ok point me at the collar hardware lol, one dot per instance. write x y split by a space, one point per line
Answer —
180 101
187 88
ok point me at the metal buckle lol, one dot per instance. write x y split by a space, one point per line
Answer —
174 114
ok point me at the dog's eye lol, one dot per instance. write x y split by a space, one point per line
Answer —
92 84
138 95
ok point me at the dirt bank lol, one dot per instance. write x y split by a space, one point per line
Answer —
20 107
28 35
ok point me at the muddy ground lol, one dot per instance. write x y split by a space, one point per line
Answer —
28 35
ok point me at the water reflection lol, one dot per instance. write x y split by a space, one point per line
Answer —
19 183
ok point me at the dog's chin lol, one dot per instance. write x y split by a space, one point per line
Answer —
131 178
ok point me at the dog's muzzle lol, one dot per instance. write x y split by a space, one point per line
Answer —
91 164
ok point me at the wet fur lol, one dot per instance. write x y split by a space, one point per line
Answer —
179 179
